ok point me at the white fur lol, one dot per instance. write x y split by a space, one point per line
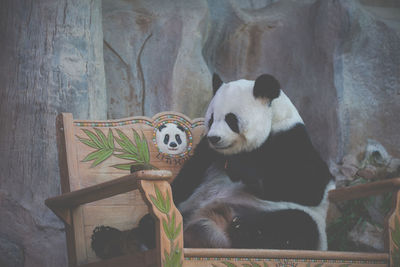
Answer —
257 117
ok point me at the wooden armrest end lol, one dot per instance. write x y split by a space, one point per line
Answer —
364 190
60 205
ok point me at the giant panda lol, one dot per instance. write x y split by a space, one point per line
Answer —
255 180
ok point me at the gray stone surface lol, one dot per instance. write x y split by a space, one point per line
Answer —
11 255
338 60
367 237
153 59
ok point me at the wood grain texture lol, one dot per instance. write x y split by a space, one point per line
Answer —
394 232
101 194
262 257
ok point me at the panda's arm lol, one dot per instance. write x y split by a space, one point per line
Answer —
193 171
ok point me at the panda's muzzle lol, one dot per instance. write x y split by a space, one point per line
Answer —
214 139
173 144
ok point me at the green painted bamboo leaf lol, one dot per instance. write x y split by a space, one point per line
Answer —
265 264
136 137
125 167
127 143
246 265
173 221
177 230
88 142
167 229
146 149
318 265
228 264
129 157
110 138
93 137
92 156
253 264
167 259
102 137
176 257
155 202
105 154
120 143
160 199
168 204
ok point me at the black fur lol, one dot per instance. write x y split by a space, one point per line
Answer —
284 229
211 121
161 127
194 168
232 122
266 86
180 128
216 83
285 168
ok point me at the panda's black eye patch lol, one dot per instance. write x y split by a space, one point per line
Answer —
232 122
210 122
166 139
178 139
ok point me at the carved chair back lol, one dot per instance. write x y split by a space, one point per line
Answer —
92 152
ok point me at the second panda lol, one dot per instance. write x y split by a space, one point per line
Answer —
255 180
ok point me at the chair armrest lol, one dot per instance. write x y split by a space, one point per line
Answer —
364 190
60 205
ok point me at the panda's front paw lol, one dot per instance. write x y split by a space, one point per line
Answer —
107 242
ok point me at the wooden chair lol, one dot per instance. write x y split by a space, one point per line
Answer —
98 189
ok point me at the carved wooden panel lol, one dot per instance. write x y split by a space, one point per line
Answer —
99 151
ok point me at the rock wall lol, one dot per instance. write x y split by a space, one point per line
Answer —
338 60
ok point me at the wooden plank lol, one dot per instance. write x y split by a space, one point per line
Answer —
282 254
394 232
364 190
68 169
106 189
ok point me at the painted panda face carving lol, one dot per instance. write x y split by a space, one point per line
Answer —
243 113
171 139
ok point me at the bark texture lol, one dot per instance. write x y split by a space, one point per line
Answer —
51 61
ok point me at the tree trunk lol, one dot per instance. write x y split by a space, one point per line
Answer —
51 55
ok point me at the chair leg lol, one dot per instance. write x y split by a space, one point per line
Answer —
394 232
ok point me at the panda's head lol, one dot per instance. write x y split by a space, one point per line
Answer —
243 113
171 138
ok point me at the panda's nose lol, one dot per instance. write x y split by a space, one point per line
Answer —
173 144
213 139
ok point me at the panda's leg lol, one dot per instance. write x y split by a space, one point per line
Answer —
283 229
208 228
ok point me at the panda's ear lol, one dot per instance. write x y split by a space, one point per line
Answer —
162 126
266 86
216 82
